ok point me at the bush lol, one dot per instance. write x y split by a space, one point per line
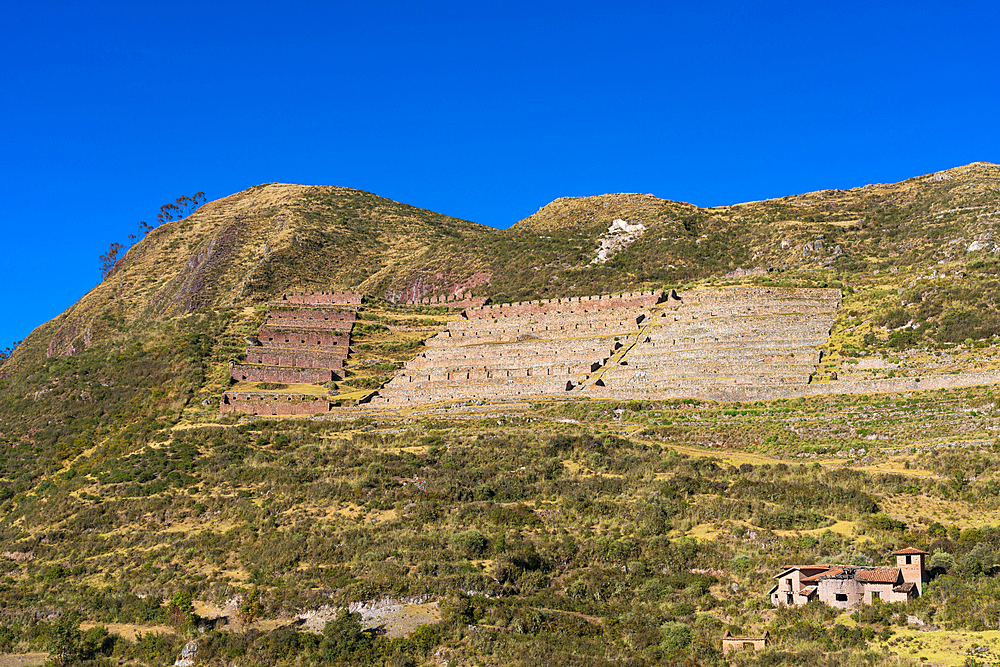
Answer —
470 544
675 637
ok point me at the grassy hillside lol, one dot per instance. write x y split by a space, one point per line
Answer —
254 245
561 532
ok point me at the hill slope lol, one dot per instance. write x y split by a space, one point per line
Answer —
566 532
252 246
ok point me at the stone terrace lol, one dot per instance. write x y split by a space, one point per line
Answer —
258 403
511 351
321 298
303 340
703 343
575 304
754 338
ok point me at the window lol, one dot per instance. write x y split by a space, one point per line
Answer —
908 561
841 597
876 596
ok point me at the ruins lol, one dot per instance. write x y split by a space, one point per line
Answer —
748 342
466 300
305 338
722 344
518 350
265 403
731 642
729 344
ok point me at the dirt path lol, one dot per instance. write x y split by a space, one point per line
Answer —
22 659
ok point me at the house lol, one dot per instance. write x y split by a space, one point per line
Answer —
845 586
732 643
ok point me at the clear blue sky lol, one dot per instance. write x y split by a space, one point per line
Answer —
481 110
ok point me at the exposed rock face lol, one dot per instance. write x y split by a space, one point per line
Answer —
620 235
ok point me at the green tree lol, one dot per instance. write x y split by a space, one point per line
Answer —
942 561
181 612
64 639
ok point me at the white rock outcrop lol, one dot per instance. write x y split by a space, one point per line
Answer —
619 236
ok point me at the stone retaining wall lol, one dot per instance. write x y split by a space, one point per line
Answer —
519 354
450 300
576 304
322 298
311 318
539 348
245 373
302 340
547 326
741 344
755 393
492 391
287 338
272 356
272 404
730 340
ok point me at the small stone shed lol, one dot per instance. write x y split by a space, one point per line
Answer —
732 643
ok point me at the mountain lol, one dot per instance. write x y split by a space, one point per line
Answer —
252 246
573 531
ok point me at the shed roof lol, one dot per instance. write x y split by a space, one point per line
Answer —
804 568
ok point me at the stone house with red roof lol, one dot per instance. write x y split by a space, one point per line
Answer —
846 586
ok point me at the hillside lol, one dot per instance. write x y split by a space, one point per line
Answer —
134 518
254 245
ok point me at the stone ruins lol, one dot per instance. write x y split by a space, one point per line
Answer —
725 345
466 300
729 343
304 339
517 350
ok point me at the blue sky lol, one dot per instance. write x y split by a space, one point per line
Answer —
481 110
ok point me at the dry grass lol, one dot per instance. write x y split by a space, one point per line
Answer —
129 631
22 659
948 648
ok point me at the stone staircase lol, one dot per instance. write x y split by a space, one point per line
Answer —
619 355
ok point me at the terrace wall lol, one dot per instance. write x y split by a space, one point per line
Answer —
273 404
450 300
311 318
576 304
273 356
705 342
322 298
284 374
297 338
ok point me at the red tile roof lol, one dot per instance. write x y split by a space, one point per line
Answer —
878 575
908 551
